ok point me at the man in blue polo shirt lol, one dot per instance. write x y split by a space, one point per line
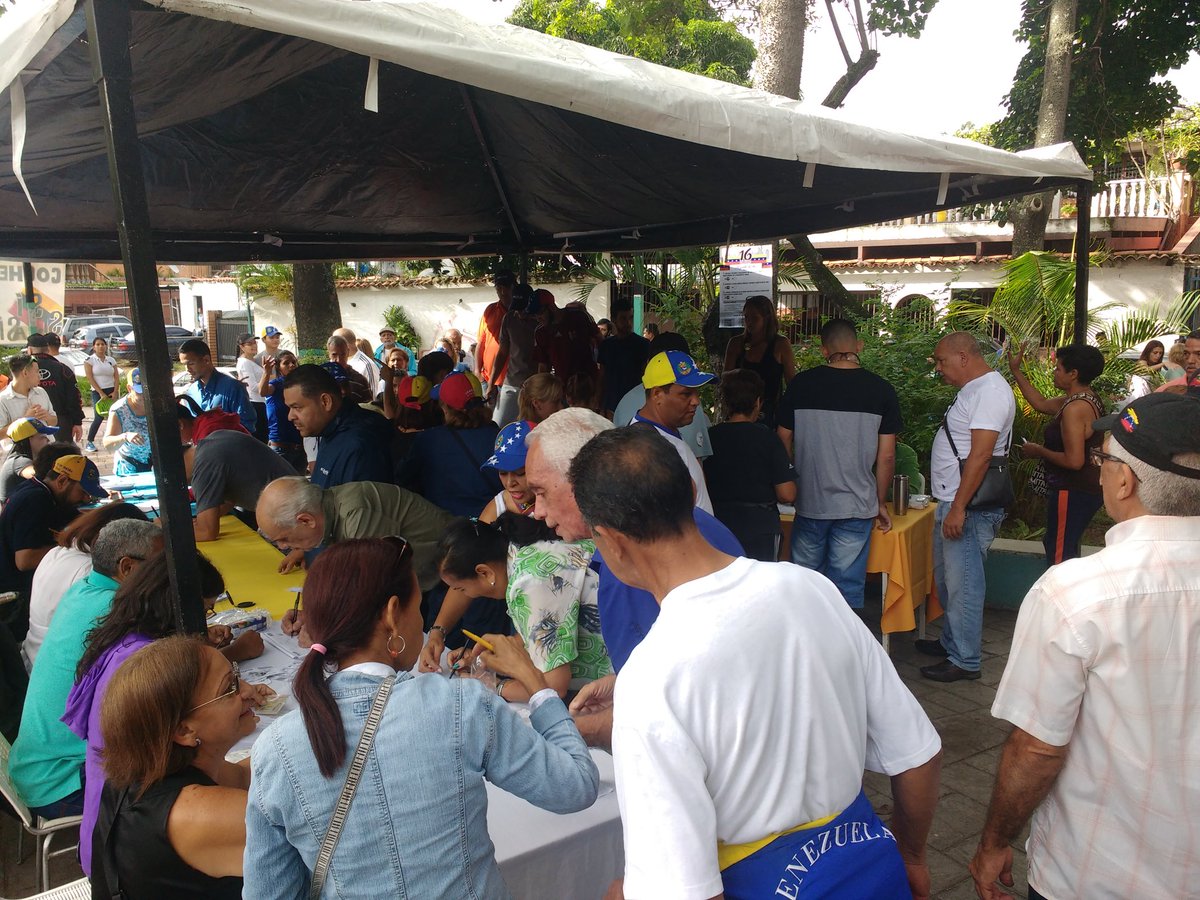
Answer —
355 445
213 389
626 613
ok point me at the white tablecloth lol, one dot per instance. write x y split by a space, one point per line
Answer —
543 856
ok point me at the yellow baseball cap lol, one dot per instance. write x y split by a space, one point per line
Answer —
27 428
674 367
82 470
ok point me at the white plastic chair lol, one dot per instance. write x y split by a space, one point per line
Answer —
43 830
76 890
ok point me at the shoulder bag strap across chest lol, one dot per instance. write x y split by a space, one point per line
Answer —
342 809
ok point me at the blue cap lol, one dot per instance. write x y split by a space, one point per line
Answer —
674 367
336 370
509 453
271 331
135 381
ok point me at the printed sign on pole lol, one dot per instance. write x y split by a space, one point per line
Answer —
746 270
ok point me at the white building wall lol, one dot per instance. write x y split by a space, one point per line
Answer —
431 308
1132 284
218 295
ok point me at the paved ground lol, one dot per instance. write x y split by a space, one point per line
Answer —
971 740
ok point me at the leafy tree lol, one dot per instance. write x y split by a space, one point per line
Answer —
1122 51
684 34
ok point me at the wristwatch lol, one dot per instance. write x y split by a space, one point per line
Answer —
441 628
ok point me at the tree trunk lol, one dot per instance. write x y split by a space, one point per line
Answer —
782 24
1031 213
315 301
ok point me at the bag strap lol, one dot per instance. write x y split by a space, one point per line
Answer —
342 810
467 452
954 449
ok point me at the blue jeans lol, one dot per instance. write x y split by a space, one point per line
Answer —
958 572
837 548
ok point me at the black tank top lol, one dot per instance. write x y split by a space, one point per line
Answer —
1087 479
130 839
771 371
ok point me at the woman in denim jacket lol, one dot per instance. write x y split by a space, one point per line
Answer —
418 824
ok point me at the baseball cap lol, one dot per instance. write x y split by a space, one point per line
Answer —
271 331
135 379
674 367
82 470
27 428
385 330
245 337
37 339
504 276
509 453
414 391
336 370
1156 427
541 299
458 390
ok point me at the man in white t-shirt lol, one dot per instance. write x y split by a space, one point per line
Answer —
743 721
979 422
23 398
1101 685
250 373
672 384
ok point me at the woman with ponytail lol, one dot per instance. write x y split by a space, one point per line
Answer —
417 826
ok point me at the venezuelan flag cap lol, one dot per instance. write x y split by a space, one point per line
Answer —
674 367
1155 428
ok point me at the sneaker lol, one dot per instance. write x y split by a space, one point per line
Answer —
89 447
931 647
947 672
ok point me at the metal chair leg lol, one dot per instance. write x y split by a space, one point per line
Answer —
40 862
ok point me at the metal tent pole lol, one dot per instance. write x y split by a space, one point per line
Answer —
1083 240
109 26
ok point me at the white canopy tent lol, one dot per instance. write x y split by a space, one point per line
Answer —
259 141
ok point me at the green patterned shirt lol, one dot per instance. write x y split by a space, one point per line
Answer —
552 601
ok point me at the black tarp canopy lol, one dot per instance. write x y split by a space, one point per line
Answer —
256 143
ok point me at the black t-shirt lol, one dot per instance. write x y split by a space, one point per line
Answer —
623 359
234 467
60 385
28 522
747 461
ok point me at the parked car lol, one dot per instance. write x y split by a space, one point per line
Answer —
183 380
83 338
126 347
69 356
72 324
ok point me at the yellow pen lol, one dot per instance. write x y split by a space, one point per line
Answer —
480 641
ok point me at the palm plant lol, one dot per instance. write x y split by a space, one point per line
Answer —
266 280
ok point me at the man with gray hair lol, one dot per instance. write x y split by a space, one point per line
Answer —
359 361
626 613
301 517
47 756
1101 685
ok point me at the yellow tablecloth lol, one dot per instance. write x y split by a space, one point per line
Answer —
250 567
905 555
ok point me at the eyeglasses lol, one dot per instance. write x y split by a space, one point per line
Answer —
1099 456
237 687
403 547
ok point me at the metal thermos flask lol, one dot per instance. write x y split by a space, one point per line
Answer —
900 495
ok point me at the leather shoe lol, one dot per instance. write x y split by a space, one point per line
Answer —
947 672
931 647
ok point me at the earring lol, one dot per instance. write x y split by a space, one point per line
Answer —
403 644
492 582
197 744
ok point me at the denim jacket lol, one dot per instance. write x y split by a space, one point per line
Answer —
418 825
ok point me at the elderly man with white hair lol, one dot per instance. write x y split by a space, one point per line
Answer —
1102 685
299 516
626 613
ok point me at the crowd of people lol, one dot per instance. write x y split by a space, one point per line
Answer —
550 520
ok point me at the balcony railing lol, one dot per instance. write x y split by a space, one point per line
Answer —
1160 197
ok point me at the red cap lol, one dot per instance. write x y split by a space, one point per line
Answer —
459 389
